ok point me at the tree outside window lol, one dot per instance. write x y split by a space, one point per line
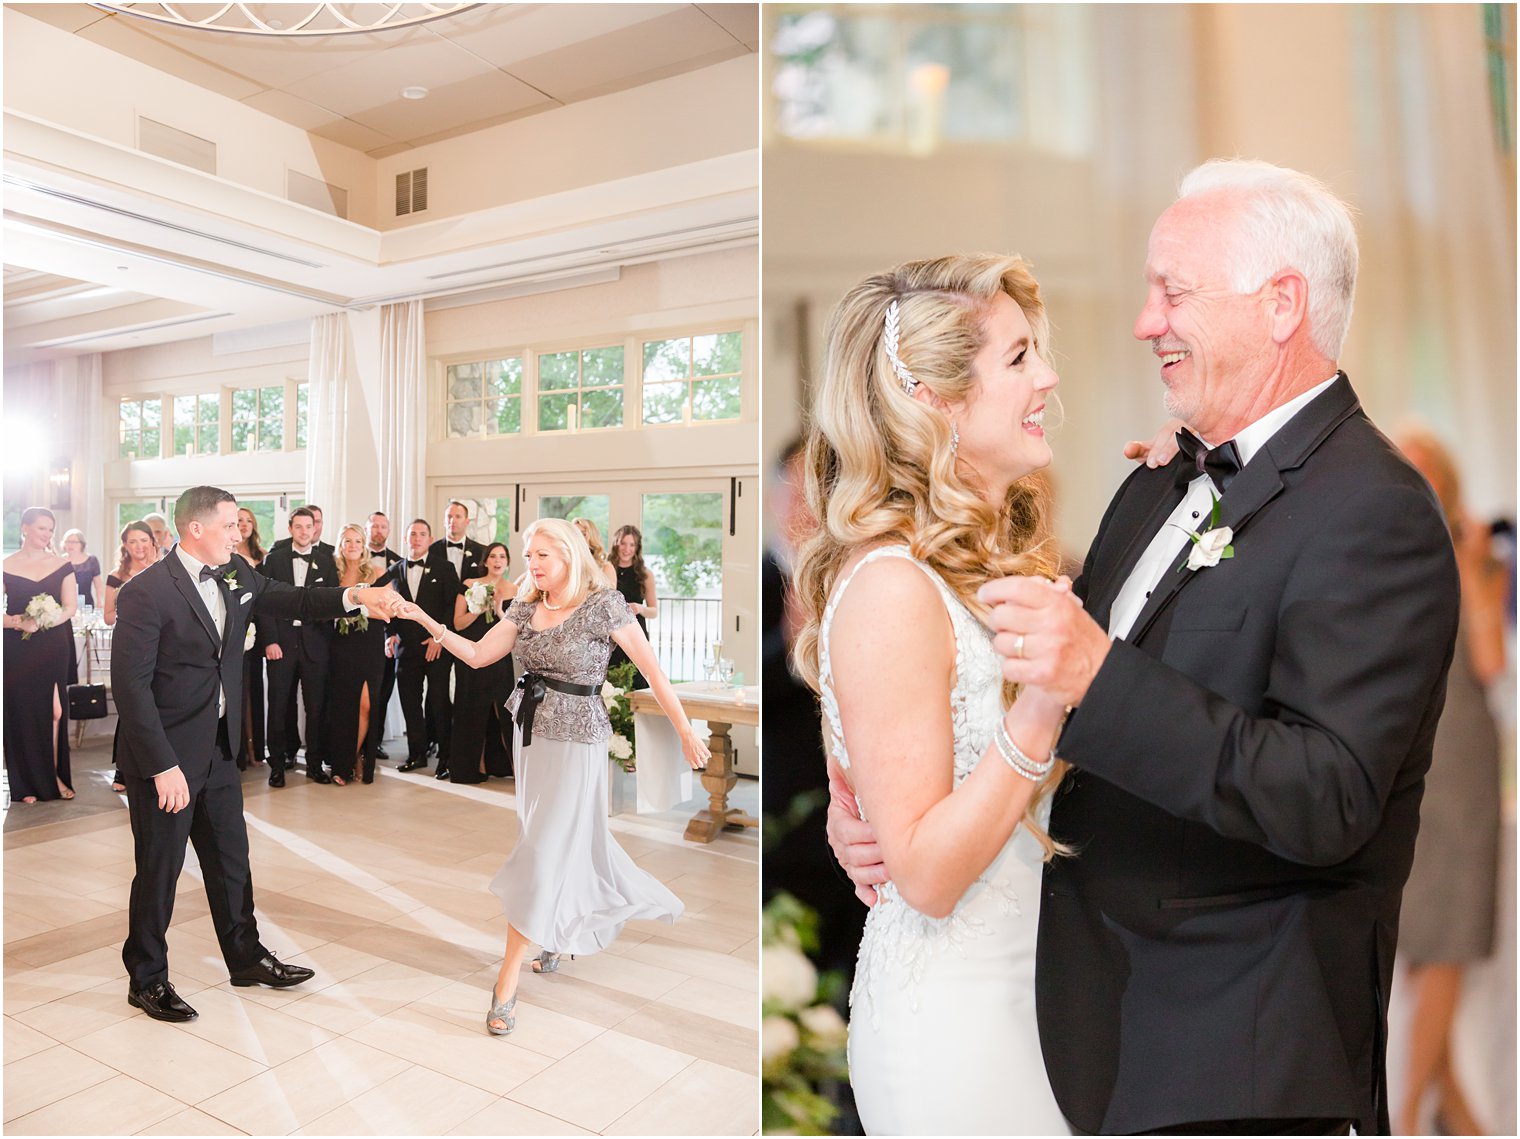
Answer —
258 418
140 428
484 398
693 379
196 424
580 390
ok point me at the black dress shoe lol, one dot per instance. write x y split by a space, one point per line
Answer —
443 771
267 970
161 1002
412 765
476 778
276 775
380 753
317 775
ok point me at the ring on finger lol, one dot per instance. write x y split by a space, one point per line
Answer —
1018 646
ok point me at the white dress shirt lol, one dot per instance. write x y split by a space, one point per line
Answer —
414 576
455 556
1192 514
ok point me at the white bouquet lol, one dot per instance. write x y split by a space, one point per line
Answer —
250 635
481 598
45 610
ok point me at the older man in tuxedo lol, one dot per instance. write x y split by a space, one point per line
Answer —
1255 655
176 670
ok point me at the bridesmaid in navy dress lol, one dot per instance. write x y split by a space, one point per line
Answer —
37 665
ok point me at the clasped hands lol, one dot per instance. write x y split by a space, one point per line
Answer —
1048 643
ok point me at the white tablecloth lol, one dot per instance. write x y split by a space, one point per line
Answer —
665 780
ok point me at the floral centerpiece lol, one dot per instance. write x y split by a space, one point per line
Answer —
44 610
802 1035
481 598
615 691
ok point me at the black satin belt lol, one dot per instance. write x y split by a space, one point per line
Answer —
534 687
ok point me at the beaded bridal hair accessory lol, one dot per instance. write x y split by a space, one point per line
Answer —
889 335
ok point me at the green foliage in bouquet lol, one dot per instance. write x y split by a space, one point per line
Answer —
802 1034
615 697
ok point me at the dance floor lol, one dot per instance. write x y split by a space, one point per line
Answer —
382 890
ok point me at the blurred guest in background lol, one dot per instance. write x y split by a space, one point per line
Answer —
383 558
251 547
163 537
37 655
482 740
297 651
593 538
86 567
427 578
357 665
1452 893
635 581
139 550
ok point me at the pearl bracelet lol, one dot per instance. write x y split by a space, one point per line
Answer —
1030 769
438 636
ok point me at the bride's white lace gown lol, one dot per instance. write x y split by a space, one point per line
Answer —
943 1039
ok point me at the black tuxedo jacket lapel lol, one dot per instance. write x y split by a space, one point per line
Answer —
192 595
1137 535
1260 481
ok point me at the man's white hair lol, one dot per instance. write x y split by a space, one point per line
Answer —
1289 221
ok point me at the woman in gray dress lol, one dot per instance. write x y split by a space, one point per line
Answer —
567 886
1448 913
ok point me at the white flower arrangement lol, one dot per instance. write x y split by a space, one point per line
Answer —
481 598
619 748
802 1035
1209 547
614 693
44 610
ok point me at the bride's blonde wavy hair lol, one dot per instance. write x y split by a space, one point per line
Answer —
880 466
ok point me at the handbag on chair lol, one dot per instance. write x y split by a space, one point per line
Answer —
87 701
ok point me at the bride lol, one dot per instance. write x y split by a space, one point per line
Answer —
927 423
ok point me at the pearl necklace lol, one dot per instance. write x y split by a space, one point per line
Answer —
552 608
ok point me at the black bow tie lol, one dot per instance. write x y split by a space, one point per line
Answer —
1221 463
420 561
455 545
304 557
210 572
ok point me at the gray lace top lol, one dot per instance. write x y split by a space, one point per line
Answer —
576 650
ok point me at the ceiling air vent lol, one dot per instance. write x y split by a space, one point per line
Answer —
176 145
317 194
411 192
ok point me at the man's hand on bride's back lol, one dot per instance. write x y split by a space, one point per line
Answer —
853 840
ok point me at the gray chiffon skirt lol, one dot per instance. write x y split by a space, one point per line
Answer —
567 885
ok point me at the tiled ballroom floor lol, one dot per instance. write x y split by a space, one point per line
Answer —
382 890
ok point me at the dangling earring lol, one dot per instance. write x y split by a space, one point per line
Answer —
955 437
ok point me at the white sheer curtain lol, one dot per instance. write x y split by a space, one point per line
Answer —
89 467
403 412
327 374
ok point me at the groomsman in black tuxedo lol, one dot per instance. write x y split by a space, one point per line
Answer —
384 559
466 556
292 722
297 650
426 577
176 670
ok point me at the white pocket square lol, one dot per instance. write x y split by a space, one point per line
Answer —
247 597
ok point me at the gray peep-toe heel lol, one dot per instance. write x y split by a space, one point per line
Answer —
503 1013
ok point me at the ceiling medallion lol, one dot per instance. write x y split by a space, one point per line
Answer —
293 19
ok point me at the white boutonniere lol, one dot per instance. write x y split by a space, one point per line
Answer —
1209 547
231 580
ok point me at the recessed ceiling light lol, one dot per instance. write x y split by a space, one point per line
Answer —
414 92
122 268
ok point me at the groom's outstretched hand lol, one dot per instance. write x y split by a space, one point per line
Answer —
852 839
1045 637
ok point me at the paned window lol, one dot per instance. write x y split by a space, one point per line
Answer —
692 379
580 390
258 418
484 398
140 428
197 424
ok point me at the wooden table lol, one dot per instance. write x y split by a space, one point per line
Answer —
722 709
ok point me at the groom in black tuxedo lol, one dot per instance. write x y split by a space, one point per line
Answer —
1250 748
176 670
